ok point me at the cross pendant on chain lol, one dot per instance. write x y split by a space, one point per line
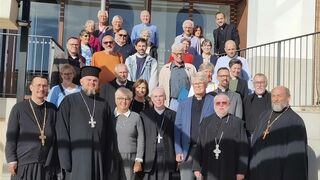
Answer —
217 151
92 122
265 133
159 137
42 137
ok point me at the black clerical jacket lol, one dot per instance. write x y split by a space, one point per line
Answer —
150 129
107 91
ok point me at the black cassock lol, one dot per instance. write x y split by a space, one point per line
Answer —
233 158
84 152
35 162
159 159
282 155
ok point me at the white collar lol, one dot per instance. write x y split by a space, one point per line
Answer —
159 111
119 83
116 113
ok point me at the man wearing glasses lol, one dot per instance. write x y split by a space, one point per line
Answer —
175 76
72 57
122 46
222 149
223 87
107 60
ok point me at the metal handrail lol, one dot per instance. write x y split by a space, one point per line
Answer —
292 62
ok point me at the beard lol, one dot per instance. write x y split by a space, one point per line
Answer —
277 107
90 92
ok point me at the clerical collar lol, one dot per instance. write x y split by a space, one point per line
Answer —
159 111
37 104
121 84
261 95
198 98
116 113
141 56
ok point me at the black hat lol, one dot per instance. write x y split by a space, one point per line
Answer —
90 71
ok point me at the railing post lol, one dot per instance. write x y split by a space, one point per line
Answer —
23 55
278 63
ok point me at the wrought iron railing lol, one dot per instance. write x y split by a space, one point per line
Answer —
292 62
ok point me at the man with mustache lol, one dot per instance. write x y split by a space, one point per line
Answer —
85 131
107 60
279 143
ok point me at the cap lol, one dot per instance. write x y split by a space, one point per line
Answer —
90 71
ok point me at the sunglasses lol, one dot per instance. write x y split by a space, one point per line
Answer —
223 103
123 35
108 42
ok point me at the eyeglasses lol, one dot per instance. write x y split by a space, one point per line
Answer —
123 99
74 45
178 54
108 42
221 103
67 74
123 35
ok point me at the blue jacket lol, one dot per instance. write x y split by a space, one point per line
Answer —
182 128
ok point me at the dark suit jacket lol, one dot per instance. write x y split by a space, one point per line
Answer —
242 88
107 91
150 130
231 34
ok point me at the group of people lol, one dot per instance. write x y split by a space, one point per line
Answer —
114 116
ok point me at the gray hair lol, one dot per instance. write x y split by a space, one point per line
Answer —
160 89
102 11
260 75
206 65
187 21
219 95
125 91
145 30
88 22
117 17
200 76
177 47
231 42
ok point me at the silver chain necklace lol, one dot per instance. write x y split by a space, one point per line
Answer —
92 122
217 151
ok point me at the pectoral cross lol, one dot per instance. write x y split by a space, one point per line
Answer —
92 122
217 151
159 137
265 133
42 137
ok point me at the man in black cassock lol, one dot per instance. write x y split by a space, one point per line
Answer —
107 91
254 104
279 143
223 33
222 149
30 148
159 158
85 131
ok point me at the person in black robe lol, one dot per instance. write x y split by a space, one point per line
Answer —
85 131
30 146
223 33
107 91
279 143
159 155
222 149
254 104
